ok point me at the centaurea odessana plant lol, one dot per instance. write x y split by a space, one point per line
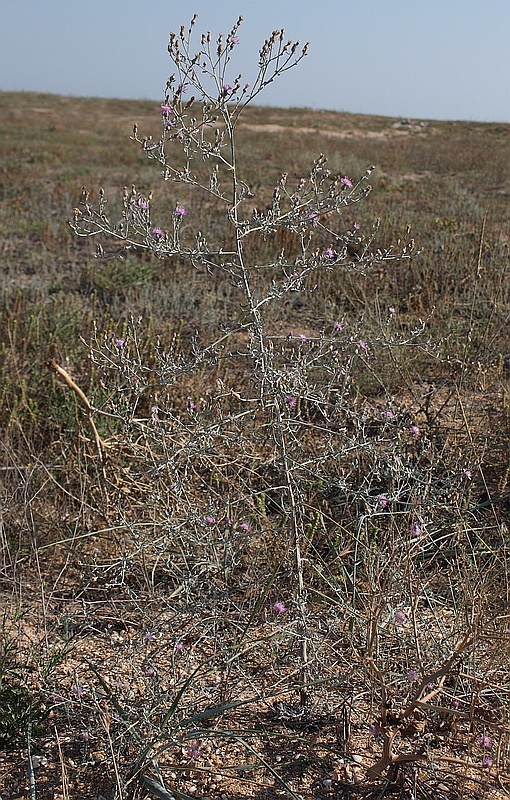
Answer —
199 117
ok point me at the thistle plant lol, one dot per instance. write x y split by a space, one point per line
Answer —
291 392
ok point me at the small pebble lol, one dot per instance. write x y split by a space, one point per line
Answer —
39 761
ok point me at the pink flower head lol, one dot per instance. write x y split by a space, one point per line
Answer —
209 519
120 343
363 345
400 617
388 414
233 40
339 326
346 181
414 429
158 233
179 211
412 675
149 637
487 761
303 338
279 607
392 310
329 252
314 218
226 88
356 226
415 529
165 109
382 499
193 750
245 526
179 647
468 473
485 741
374 730
291 401
190 404
150 672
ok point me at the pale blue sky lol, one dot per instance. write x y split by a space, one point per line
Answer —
426 59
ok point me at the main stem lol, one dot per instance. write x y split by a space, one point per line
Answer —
280 439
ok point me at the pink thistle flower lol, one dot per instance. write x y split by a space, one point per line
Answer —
142 203
392 310
119 343
245 526
158 233
165 109
412 675
388 414
468 473
150 672
149 637
400 618
382 499
179 647
179 211
356 226
374 730
226 88
303 338
339 326
190 404
291 401
415 529
209 519
279 607
232 41
193 750
329 252
487 761
346 181
78 689
363 345
314 218
485 741
414 429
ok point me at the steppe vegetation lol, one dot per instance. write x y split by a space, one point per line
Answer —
254 501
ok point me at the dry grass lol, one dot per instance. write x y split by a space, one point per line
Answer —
108 566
